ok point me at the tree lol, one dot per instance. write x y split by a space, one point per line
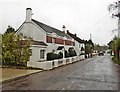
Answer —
0 49
100 47
15 49
89 46
114 44
113 8
10 30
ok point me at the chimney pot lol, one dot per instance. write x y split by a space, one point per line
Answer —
28 9
64 28
75 34
67 31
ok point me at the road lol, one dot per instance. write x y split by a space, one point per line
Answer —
98 73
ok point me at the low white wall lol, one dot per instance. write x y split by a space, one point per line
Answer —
47 65
67 60
82 57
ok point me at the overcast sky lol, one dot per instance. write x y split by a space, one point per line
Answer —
83 17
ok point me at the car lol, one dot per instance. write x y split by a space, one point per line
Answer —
101 53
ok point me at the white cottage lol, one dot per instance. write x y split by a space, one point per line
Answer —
45 38
79 45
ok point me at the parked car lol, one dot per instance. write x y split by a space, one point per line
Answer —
101 53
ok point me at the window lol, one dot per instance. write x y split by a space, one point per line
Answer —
49 39
59 41
42 52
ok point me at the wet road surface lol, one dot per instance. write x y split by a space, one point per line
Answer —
98 73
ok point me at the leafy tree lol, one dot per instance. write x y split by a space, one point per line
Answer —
110 44
10 30
115 43
100 47
0 49
115 46
15 49
89 46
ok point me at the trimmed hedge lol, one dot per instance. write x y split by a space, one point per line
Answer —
53 56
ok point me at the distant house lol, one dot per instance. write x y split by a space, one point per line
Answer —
45 38
79 44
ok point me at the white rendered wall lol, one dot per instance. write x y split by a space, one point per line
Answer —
77 49
36 54
32 30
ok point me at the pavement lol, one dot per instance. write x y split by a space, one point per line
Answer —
8 74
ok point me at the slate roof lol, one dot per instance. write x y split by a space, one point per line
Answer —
75 37
50 29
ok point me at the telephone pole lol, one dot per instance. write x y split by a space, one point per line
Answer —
91 37
118 19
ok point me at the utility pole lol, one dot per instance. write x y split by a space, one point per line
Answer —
118 15
91 37
118 19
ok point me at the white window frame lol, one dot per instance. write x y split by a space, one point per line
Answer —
42 53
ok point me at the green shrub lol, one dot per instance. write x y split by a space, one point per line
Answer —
82 54
15 51
72 52
60 55
53 56
116 60
66 54
50 56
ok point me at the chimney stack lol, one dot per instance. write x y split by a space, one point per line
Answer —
64 28
28 14
75 35
68 32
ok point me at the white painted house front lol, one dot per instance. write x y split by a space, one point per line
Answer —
45 38
79 44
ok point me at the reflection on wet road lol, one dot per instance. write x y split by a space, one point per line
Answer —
98 73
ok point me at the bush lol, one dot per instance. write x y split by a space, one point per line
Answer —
72 52
15 51
60 55
50 56
66 54
53 56
116 60
82 54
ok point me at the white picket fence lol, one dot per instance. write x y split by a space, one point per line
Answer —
47 65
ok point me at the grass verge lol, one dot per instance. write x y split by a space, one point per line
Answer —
114 59
18 67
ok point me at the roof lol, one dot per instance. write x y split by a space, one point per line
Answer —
50 29
75 37
38 43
